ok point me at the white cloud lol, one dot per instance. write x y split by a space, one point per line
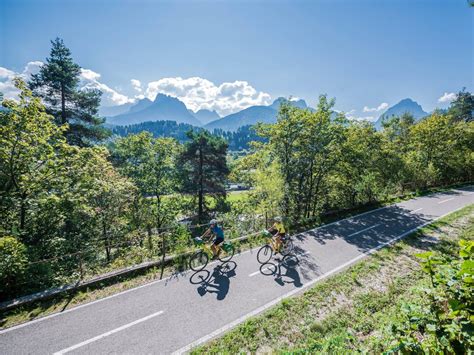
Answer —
380 107
6 78
110 97
447 97
198 93
137 85
88 80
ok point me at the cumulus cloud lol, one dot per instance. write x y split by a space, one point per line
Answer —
89 79
137 85
447 97
380 107
6 78
198 93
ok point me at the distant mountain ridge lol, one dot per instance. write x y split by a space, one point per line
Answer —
404 106
253 115
163 108
205 116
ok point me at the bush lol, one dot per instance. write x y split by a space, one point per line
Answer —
13 264
444 323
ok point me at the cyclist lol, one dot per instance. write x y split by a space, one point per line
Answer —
279 233
218 233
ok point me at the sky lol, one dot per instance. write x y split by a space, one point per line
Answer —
228 55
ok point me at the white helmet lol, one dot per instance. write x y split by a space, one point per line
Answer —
278 219
213 221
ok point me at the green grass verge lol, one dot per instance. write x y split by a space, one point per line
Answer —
354 310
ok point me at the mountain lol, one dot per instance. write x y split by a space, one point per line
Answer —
252 115
109 111
164 108
205 116
141 105
404 106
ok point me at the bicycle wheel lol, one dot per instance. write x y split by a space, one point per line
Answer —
287 247
227 252
198 261
264 254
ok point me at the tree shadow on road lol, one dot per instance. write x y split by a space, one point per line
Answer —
217 281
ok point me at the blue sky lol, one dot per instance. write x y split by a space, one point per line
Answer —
364 53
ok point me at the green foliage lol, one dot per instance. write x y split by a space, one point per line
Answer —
444 322
204 170
462 108
307 146
13 264
57 84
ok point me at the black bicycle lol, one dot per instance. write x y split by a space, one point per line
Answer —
200 259
266 252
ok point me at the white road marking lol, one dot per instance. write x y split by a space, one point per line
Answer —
364 230
2 331
419 209
449 199
259 310
116 330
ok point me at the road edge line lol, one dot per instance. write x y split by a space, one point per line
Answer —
261 309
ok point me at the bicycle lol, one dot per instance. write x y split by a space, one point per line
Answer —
266 252
200 259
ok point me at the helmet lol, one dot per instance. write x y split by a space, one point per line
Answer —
278 219
213 221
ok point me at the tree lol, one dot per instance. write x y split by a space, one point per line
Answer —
57 84
307 145
151 164
204 167
29 146
462 108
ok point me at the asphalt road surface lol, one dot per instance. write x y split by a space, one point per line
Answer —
177 313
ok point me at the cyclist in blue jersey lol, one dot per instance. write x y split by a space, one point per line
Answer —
216 231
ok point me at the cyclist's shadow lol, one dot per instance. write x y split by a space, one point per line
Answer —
217 282
290 275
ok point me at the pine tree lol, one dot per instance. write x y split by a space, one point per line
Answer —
57 85
204 167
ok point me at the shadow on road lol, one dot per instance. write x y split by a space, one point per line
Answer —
217 281
291 269
394 220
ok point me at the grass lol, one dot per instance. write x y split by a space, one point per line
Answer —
106 288
352 311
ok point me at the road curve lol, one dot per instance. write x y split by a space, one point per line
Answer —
182 311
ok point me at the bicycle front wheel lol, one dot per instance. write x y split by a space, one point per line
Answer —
227 252
198 261
264 254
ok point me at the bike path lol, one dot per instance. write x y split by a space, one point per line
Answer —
169 315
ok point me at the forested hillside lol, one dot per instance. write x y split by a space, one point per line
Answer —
237 141
72 208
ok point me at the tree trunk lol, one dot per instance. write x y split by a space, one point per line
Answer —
23 207
63 105
163 253
106 239
201 187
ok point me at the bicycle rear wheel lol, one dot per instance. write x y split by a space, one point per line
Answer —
264 254
198 261
227 252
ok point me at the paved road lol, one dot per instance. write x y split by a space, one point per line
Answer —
179 312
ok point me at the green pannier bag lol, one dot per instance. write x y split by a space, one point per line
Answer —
227 246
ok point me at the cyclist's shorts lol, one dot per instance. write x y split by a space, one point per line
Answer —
218 240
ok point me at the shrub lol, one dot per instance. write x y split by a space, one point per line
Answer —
13 264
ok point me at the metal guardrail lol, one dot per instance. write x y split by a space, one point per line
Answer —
7 305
